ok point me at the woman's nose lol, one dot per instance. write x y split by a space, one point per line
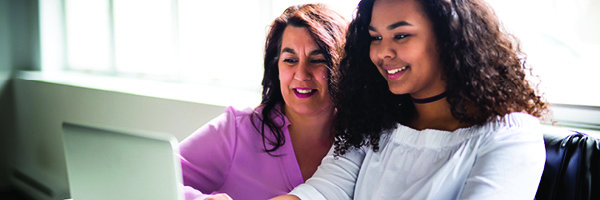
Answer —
303 72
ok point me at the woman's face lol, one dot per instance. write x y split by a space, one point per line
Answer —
403 48
303 73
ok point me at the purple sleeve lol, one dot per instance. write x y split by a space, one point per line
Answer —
206 155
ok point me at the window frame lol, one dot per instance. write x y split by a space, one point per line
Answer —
53 60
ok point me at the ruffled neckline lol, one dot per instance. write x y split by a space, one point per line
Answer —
433 138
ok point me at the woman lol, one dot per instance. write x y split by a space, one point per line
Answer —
267 151
432 103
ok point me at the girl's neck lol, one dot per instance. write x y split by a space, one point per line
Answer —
435 115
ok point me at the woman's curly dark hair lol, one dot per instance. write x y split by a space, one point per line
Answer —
327 28
484 69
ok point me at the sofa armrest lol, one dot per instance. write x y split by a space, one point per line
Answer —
572 169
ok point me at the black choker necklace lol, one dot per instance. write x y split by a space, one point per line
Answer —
430 99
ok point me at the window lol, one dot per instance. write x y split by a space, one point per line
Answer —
561 40
221 42
209 42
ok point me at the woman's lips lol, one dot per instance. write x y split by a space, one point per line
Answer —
302 92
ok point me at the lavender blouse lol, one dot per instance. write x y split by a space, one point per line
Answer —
227 156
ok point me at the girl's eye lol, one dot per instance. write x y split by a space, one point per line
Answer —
318 61
401 36
373 38
289 60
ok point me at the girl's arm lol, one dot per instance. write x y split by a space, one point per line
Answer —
334 179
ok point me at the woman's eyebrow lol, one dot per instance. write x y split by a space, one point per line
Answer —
288 50
316 52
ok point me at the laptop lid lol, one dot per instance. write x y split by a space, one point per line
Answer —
109 163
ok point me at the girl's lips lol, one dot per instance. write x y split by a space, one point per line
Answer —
396 73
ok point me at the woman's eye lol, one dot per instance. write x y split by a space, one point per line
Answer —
401 36
289 60
318 61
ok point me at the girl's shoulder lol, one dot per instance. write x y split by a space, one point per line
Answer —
514 128
514 120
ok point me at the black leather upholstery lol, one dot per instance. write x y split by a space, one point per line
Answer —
572 168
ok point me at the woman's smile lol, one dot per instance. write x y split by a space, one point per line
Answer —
303 92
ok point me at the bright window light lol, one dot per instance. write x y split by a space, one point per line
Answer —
221 42
144 37
561 40
222 46
87 30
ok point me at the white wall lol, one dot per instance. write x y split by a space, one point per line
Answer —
19 45
42 107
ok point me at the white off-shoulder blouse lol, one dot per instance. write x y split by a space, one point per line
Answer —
502 159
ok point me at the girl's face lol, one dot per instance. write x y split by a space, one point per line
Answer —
303 73
404 48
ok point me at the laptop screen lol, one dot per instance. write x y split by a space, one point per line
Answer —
108 163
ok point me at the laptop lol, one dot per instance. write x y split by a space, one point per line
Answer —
110 163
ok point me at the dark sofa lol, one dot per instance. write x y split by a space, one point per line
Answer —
572 169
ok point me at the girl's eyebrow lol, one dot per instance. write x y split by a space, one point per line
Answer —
392 26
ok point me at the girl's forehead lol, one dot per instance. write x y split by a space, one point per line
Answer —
386 13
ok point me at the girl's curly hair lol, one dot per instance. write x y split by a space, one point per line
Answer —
484 69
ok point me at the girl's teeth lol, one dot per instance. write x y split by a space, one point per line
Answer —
303 91
393 71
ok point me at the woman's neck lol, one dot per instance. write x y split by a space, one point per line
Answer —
315 126
311 138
